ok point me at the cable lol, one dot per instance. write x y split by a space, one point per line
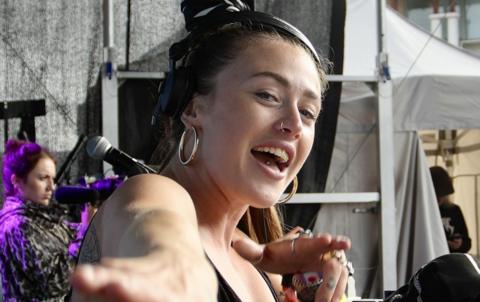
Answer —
59 106
432 34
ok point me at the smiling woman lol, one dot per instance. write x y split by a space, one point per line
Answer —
239 107
37 246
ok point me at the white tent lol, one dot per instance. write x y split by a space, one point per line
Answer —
435 86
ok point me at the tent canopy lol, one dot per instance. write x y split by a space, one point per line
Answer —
435 83
435 86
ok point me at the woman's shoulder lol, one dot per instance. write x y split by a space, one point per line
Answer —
154 190
451 206
152 184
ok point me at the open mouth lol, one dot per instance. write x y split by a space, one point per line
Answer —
272 156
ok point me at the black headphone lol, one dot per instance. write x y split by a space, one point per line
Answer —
176 89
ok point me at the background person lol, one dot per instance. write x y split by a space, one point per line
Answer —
452 217
208 225
37 246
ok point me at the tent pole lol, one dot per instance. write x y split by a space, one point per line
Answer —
388 232
109 80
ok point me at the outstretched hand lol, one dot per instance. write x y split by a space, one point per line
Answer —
150 278
294 254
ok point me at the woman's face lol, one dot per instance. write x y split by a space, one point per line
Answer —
38 186
259 124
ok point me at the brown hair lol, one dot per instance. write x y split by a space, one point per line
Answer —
210 54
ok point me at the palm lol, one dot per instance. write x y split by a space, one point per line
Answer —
141 279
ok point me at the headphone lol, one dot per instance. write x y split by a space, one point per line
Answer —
176 90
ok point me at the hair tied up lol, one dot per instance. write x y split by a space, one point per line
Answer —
194 10
29 148
12 146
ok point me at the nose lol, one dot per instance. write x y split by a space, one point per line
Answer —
51 185
291 124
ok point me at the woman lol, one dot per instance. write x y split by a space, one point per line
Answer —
452 217
37 247
251 96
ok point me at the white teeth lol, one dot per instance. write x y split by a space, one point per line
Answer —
280 153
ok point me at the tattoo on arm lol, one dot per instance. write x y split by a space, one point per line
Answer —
90 251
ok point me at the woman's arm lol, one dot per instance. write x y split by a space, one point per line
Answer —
289 255
146 239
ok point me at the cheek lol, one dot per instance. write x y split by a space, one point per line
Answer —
37 187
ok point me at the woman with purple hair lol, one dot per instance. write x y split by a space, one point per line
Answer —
38 247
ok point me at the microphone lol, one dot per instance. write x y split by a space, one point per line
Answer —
98 147
76 195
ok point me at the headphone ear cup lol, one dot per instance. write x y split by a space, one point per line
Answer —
164 99
181 91
174 93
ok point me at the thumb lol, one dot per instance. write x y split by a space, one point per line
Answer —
249 249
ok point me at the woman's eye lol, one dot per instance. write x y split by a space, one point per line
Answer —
266 96
308 114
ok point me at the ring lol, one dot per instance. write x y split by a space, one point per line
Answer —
339 255
303 234
306 234
292 245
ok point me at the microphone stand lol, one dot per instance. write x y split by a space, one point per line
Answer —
61 174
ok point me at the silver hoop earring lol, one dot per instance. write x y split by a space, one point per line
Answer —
182 143
290 195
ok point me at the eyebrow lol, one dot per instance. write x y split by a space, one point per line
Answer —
284 82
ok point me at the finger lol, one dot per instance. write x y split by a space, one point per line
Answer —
341 285
97 283
293 233
249 250
91 279
341 242
83 278
290 295
298 254
325 236
331 275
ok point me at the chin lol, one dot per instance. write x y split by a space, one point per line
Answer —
44 202
264 202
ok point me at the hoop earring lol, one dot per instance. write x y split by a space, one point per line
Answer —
290 195
182 143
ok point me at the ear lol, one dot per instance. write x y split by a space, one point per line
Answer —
14 179
194 114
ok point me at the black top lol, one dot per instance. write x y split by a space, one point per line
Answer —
226 293
454 223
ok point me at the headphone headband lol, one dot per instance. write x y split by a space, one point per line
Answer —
211 22
175 89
